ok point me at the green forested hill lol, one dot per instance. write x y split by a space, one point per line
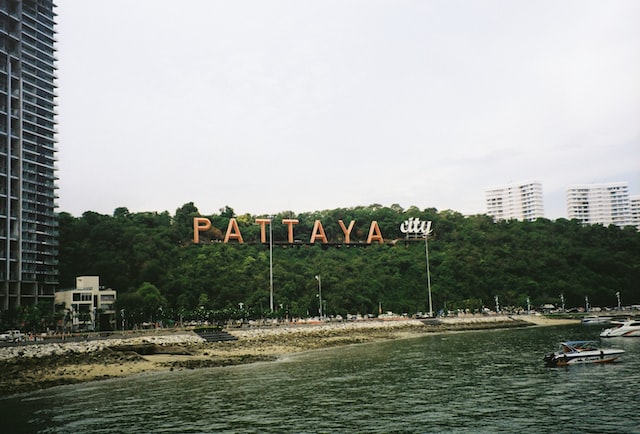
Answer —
472 259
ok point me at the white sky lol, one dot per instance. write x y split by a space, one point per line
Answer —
269 106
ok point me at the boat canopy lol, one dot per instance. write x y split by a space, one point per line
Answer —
579 343
574 345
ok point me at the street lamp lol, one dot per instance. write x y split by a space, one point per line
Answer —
270 264
586 303
319 294
426 250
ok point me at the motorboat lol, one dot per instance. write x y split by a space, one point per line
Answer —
579 352
595 319
629 328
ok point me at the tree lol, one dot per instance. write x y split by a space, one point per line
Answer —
152 301
183 222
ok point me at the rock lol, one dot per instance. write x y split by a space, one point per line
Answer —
42 350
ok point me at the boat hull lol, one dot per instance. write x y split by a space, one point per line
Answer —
601 356
622 334
594 320
562 360
628 329
581 352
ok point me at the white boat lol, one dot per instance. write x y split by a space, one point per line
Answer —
578 352
588 320
630 328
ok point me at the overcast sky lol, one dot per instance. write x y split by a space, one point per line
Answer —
267 106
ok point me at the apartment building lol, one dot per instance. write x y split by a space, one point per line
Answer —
519 201
28 223
605 204
634 210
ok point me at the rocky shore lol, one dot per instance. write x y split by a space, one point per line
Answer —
35 366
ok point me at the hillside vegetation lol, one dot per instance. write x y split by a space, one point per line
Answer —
151 260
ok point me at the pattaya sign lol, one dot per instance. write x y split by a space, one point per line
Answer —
413 226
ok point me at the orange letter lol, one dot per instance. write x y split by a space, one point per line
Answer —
197 227
347 232
317 228
233 231
262 223
378 235
290 223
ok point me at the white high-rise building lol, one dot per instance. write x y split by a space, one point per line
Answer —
605 204
519 201
634 209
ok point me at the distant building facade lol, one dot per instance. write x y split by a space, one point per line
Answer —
88 306
520 201
634 209
605 204
28 223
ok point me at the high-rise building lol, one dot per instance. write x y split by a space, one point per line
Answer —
605 204
634 210
28 223
519 201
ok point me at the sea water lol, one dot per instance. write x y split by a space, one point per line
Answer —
482 381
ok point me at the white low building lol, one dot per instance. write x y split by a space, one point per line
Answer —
88 306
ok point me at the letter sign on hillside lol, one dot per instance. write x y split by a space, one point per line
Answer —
200 224
415 227
263 223
233 231
374 233
290 223
347 232
318 232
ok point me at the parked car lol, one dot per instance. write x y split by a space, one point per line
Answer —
12 336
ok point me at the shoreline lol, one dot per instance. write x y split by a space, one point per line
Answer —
26 368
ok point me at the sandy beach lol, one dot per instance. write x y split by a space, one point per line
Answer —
35 366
